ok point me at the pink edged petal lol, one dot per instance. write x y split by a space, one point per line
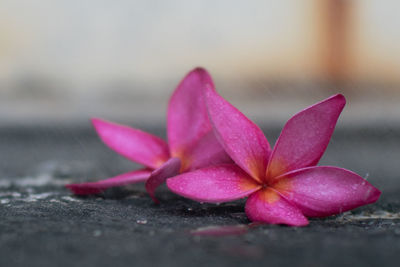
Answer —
134 144
305 137
187 119
119 180
324 191
207 152
242 139
269 207
158 176
215 184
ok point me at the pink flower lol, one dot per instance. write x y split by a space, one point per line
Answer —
191 141
283 185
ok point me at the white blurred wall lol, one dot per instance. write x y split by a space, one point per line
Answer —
89 43
376 40
84 52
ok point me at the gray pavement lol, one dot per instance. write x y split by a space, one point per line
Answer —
42 224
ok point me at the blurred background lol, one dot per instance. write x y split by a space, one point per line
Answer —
65 61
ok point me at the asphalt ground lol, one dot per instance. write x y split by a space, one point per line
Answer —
42 224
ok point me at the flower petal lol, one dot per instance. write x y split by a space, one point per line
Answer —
207 152
305 137
215 184
242 139
119 180
323 191
158 176
269 207
187 120
134 144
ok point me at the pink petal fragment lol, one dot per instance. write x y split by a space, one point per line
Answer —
324 191
134 144
207 152
158 176
187 118
215 184
269 207
242 139
220 230
119 180
305 137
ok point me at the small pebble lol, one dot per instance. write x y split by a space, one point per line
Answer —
4 201
96 233
16 194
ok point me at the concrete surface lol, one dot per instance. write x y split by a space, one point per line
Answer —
42 224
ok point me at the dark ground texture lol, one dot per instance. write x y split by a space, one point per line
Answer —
42 224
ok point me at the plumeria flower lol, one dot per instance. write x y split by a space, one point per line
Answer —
283 185
191 141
